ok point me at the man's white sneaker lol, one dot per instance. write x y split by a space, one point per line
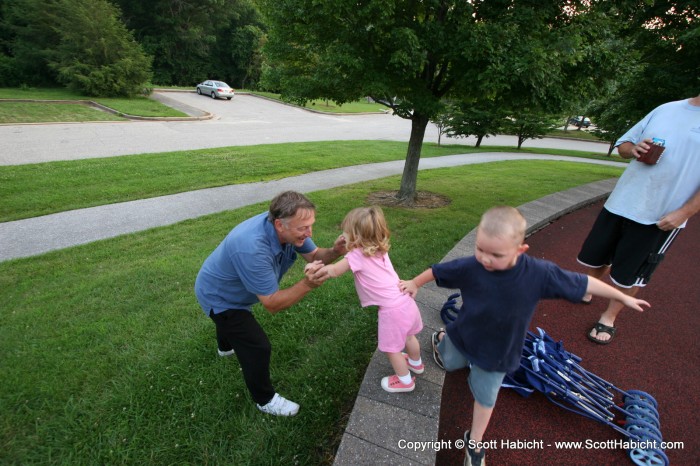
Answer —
280 406
225 353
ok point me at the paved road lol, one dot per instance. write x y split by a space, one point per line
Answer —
245 120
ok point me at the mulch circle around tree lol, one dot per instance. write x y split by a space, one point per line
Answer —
424 200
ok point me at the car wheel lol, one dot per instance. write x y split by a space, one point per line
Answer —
213 95
229 98
199 91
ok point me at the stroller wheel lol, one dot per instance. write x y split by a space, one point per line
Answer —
642 430
640 395
638 402
652 457
643 411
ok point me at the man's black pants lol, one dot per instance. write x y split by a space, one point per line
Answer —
239 330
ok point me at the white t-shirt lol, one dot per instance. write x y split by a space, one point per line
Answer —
645 193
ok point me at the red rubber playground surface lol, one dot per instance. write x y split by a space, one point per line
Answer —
657 351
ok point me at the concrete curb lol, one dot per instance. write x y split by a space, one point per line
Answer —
380 421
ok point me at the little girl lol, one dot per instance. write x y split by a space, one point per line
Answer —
377 284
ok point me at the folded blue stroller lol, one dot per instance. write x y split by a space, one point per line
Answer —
546 367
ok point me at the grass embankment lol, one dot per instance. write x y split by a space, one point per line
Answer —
107 358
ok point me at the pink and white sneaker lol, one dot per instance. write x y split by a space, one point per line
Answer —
392 384
419 369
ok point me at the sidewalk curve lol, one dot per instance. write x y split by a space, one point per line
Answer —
37 235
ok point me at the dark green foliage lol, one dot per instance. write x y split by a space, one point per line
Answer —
529 125
667 36
28 37
478 119
411 55
193 41
661 64
96 54
80 43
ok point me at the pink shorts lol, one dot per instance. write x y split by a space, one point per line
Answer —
396 324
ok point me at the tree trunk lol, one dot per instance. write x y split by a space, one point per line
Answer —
407 192
478 140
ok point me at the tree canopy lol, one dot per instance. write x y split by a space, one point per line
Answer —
410 55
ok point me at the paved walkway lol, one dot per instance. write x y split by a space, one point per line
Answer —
29 237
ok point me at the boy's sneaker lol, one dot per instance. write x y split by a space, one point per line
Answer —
419 369
393 384
436 355
280 406
224 354
471 458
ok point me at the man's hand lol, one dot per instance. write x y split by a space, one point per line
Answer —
672 220
310 270
339 246
630 150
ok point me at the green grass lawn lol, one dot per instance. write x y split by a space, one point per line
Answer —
60 186
138 106
107 358
321 105
31 112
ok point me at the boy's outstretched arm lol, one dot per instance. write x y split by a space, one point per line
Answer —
599 288
411 286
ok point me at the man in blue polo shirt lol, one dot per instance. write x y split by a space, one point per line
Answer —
246 268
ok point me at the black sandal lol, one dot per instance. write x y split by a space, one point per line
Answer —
435 341
601 328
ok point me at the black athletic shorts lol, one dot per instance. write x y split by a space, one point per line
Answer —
632 250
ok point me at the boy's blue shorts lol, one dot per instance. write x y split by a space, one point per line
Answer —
483 384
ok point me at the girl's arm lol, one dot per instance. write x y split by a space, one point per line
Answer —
411 286
332 270
599 288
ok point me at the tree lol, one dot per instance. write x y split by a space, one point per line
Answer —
409 55
662 43
96 54
193 41
29 37
529 125
479 119
666 33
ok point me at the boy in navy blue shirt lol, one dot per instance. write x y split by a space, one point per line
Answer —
500 287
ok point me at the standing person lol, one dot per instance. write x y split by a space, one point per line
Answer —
247 268
648 207
500 287
367 240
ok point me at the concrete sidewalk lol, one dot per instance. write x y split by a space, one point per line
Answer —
381 424
33 236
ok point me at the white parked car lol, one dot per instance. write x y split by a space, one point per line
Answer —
215 89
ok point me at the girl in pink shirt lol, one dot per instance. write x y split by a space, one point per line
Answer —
377 284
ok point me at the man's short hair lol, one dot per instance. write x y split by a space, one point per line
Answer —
286 205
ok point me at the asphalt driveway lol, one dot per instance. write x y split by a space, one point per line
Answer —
245 120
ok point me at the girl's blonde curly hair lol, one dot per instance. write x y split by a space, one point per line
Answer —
366 228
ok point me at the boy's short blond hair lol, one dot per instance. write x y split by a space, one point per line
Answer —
504 222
